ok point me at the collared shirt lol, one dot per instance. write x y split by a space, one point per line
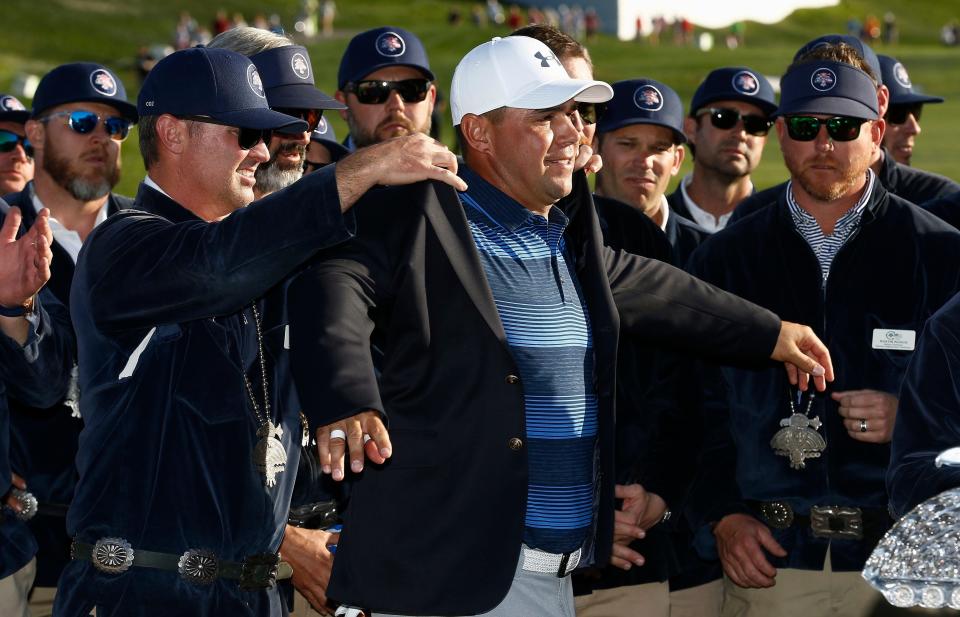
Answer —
147 180
664 212
541 307
700 216
67 238
826 247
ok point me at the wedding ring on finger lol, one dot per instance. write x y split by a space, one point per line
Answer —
863 425
338 434
366 438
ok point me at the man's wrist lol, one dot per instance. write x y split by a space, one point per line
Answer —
20 310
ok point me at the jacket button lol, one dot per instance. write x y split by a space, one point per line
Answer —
515 443
512 379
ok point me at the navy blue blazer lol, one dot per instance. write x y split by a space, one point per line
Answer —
946 207
893 273
162 308
454 487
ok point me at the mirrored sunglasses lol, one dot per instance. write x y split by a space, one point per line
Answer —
725 118
839 128
373 92
246 138
9 141
85 122
310 116
897 114
591 113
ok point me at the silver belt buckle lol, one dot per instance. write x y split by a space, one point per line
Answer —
777 514
112 555
837 522
198 566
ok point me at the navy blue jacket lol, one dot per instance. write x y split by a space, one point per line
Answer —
928 418
912 184
456 489
161 303
893 273
946 207
44 439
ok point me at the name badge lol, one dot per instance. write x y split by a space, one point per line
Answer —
899 340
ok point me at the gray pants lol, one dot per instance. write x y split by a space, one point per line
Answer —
532 594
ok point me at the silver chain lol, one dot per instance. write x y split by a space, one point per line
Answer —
793 409
263 372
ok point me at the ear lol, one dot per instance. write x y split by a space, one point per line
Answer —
172 134
883 100
781 131
476 133
679 153
342 97
877 129
432 97
690 129
35 132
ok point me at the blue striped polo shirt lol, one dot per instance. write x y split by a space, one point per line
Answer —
541 307
826 247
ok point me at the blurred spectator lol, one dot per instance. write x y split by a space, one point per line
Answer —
659 26
638 32
871 30
854 27
306 23
221 23
477 16
185 32
891 34
495 12
551 17
591 23
536 16
328 12
514 17
737 36
260 21
238 20
454 16
147 57
579 23
566 18
948 34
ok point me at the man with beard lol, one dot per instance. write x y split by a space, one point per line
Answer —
16 154
80 117
791 492
726 131
287 77
386 83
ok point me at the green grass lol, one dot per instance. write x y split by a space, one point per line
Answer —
110 32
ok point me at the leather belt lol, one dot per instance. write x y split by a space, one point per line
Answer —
199 566
561 564
830 522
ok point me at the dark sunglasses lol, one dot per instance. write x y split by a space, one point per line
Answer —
85 122
897 114
310 116
591 113
373 92
246 138
725 118
839 128
310 166
9 141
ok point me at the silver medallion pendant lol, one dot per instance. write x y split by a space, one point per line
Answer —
798 439
269 455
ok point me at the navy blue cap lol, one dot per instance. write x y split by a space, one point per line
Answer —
218 83
287 78
382 47
82 82
831 88
866 52
325 136
643 101
12 110
734 83
897 80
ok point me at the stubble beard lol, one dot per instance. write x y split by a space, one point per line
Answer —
81 188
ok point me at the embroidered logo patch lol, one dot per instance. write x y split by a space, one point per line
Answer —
823 80
253 79
300 66
901 75
103 82
746 82
9 103
648 98
390 44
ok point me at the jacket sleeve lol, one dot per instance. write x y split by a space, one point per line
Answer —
38 373
142 270
928 416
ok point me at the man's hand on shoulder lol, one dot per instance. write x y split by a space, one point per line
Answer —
401 160
804 354
361 435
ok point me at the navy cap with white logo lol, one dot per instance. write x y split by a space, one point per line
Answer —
287 78
643 101
866 52
829 88
217 83
12 110
897 80
325 136
734 83
79 82
379 48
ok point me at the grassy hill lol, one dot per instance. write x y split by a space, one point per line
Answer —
111 32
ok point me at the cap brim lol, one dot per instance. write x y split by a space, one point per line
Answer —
376 67
680 138
766 106
261 119
301 96
337 149
911 99
20 116
558 92
828 105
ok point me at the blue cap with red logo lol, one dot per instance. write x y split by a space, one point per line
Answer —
830 88
380 48
217 83
325 136
82 82
897 80
287 77
12 110
643 101
734 83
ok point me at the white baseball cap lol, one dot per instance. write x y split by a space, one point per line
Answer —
517 71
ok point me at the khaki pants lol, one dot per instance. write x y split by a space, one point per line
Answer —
14 590
302 608
701 601
41 601
647 600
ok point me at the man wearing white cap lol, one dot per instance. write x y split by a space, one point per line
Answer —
497 316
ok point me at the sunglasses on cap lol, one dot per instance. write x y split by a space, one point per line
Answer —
85 122
839 128
246 138
310 116
373 91
591 113
725 118
9 141
897 114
